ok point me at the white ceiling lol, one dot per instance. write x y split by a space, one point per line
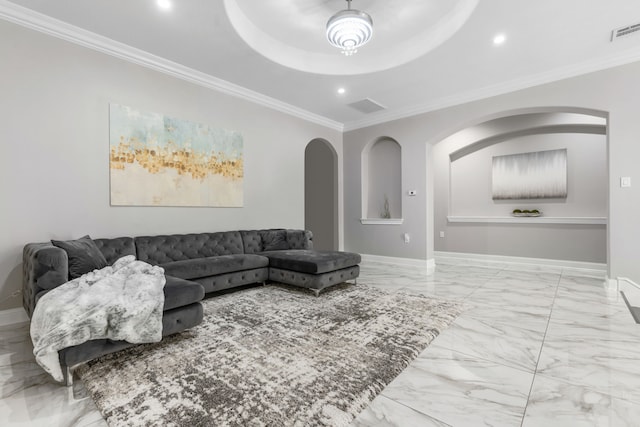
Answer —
420 67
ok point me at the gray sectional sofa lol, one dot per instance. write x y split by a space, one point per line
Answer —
195 265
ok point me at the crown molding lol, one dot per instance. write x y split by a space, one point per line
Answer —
557 74
45 24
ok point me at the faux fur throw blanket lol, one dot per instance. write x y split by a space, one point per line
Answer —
120 302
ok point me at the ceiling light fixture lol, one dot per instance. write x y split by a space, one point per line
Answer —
499 39
164 4
341 91
349 29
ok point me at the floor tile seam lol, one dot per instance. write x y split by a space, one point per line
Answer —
475 357
502 307
536 285
406 405
505 323
601 391
544 337
595 299
467 315
585 321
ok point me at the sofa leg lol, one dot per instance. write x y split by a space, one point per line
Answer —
316 292
67 376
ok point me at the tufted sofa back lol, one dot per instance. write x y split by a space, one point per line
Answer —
179 247
257 241
113 249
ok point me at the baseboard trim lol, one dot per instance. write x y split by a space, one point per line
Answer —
512 260
429 264
13 316
617 281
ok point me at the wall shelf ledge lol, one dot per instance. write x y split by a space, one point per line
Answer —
529 220
381 221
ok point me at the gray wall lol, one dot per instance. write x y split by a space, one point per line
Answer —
471 192
54 170
611 93
321 195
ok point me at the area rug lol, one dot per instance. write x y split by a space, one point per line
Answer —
270 356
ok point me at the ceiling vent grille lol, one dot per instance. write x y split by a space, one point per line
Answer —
367 106
624 31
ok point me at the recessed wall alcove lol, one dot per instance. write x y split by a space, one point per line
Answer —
382 182
468 220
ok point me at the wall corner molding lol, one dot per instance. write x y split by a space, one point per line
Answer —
45 24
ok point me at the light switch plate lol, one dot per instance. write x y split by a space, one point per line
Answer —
625 181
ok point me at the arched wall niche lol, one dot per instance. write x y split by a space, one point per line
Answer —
381 165
484 232
321 193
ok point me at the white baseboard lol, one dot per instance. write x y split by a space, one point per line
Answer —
448 257
13 316
429 264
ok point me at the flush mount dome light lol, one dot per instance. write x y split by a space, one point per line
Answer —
349 29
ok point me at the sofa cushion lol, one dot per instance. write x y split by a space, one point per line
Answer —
203 267
84 256
179 292
178 247
310 261
274 240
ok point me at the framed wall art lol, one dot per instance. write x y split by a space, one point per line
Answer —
539 175
157 160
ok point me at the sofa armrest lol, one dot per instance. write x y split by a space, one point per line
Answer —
44 267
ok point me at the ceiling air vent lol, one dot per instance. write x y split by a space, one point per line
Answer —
624 31
367 106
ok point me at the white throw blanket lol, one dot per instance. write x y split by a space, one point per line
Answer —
119 302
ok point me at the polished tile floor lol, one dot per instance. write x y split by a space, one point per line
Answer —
537 346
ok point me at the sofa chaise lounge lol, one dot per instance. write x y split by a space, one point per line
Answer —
195 265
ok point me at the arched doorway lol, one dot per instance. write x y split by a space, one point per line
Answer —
321 194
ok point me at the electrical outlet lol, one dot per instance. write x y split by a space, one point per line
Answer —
407 238
441 234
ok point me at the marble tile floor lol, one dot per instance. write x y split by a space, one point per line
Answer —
535 347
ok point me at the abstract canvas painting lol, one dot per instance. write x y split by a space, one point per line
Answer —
156 160
538 175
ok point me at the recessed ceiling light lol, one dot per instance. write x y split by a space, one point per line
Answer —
499 39
341 91
164 4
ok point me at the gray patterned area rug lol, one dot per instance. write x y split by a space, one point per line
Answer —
270 356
